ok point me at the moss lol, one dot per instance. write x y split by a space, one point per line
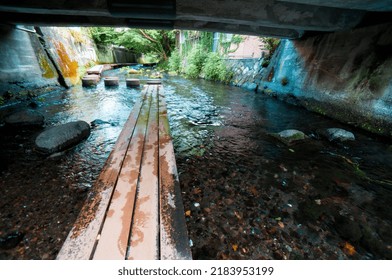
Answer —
69 68
47 71
284 81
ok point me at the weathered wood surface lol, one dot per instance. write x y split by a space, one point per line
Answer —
135 210
95 70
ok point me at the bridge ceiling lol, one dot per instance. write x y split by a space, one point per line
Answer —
279 18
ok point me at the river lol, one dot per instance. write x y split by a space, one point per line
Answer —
246 195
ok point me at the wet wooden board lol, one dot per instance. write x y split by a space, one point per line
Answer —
135 210
173 233
82 237
113 241
95 70
144 238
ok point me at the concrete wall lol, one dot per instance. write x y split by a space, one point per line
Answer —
23 62
34 60
345 75
72 50
247 73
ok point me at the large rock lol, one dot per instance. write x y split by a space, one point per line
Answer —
290 136
62 137
25 118
338 135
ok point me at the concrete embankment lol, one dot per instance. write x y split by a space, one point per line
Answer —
345 75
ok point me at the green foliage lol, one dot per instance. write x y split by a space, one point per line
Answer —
1 100
271 44
103 35
158 43
195 62
215 68
236 40
266 62
175 61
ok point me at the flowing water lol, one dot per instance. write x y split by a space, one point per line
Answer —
246 195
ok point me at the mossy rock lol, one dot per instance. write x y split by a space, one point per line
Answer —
290 136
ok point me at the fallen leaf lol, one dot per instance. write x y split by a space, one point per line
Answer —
291 150
237 215
188 213
235 247
349 249
281 224
253 191
197 191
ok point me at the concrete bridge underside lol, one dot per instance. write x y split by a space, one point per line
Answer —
278 18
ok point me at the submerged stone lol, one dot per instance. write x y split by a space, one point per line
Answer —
338 134
62 137
290 136
25 118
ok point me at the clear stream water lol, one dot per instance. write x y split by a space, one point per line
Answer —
342 192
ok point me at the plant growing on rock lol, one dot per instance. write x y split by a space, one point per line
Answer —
284 81
195 62
215 68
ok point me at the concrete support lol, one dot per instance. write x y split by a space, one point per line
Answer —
281 18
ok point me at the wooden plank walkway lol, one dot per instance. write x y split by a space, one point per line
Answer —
95 70
135 208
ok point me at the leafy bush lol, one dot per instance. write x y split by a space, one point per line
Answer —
195 62
175 61
215 68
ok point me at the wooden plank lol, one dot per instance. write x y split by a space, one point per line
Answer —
173 232
144 238
114 236
95 70
82 237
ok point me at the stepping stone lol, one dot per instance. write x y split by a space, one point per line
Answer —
62 137
25 118
111 81
154 81
90 80
133 82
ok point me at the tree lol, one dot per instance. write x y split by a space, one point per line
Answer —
153 42
103 35
159 42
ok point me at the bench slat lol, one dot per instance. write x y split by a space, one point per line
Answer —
173 232
113 241
82 237
144 239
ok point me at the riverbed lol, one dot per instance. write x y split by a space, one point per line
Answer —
246 195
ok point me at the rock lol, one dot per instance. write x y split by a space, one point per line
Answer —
97 122
62 137
25 118
338 134
250 86
90 80
111 81
348 228
290 136
11 240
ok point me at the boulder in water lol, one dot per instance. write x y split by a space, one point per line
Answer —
290 136
337 135
62 137
25 118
